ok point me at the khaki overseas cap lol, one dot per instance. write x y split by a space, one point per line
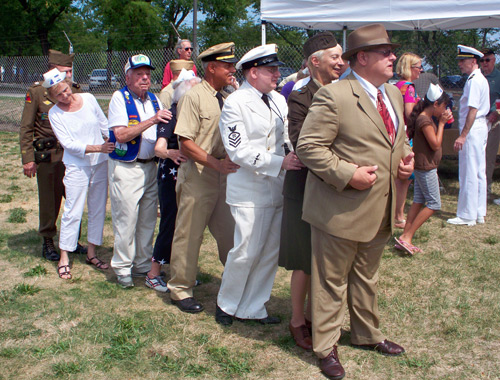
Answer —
366 37
60 59
222 52
179 64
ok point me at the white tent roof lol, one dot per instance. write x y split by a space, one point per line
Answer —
395 15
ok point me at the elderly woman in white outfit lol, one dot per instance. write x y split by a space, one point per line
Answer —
79 124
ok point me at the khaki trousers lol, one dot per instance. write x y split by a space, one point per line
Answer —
201 202
345 270
133 193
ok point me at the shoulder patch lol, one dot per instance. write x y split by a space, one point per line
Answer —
28 98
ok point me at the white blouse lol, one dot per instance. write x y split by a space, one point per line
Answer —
75 130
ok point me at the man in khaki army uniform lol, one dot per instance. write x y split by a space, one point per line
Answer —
201 181
42 154
176 65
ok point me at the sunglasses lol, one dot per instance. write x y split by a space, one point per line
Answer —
385 53
485 60
188 48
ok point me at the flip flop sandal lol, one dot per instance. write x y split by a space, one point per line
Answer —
65 272
99 264
407 247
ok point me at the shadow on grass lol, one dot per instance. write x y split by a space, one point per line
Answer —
28 243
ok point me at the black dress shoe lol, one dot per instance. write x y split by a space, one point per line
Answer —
386 347
188 305
223 318
80 249
49 250
331 366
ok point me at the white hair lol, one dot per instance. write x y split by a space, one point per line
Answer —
318 54
184 87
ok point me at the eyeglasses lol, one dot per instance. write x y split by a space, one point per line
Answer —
385 53
485 60
188 48
417 67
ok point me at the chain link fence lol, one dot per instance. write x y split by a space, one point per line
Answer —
102 73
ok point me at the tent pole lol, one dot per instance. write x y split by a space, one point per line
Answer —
263 29
344 36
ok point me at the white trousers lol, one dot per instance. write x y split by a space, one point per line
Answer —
252 263
472 173
133 193
78 181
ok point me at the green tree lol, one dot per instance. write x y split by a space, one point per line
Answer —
41 16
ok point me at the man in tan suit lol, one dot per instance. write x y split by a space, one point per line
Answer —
353 141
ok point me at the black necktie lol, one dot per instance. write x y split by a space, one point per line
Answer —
220 99
265 98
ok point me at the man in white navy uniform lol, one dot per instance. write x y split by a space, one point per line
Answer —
471 144
132 116
252 127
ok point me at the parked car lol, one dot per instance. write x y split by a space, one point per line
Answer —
453 81
98 79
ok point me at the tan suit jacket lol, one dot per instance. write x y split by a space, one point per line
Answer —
342 128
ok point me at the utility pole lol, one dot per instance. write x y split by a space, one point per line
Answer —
195 27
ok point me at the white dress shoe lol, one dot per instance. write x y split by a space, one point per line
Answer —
462 222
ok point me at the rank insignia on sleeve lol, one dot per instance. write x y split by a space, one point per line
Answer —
44 116
234 137
28 98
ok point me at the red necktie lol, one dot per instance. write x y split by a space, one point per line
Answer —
386 117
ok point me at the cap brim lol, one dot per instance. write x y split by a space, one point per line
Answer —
350 53
275 63
228 60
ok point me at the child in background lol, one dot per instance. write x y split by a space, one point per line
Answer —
427 140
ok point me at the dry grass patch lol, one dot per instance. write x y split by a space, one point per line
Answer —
441 305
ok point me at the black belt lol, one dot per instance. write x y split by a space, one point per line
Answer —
142 161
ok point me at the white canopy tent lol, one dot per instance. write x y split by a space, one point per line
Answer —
395 15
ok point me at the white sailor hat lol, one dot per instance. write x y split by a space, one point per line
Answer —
465 52
434 92
138 60
264 55
184 75
52 78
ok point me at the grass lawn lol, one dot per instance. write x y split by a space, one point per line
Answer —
442 305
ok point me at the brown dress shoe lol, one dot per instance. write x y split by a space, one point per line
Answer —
331 366
386 347
301 336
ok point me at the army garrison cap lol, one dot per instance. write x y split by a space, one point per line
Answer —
222 52
320 41
179 64
60 59
465 52
264 55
